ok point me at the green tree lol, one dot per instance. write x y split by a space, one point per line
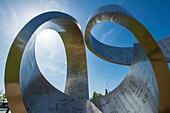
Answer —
1 95
4 97
96 95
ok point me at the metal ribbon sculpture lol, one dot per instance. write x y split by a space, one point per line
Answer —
144 89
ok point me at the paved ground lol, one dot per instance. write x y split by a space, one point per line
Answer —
3 110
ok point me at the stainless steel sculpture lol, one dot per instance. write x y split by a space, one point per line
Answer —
37 94
145 88
138 92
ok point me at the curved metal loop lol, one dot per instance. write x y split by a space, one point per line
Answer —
38 95
118 55
139 90
137 93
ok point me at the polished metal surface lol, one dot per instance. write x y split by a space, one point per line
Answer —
122 55
118 55
26 88
144 89
146 86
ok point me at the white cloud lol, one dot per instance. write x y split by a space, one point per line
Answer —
13 17
57 5
51 58
50 54
9 23
104 36
110 35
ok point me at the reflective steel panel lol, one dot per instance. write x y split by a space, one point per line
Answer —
38 95
145 88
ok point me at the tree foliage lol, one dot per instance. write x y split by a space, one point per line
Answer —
96 95
2 96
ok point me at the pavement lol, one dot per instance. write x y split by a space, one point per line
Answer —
3 110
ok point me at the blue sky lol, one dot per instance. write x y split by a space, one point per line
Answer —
153 14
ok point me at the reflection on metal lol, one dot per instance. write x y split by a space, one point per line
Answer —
145 88
24 81
122 55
